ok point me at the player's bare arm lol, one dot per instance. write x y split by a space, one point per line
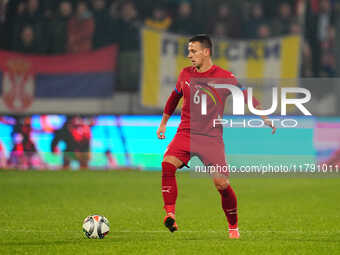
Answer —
169 109
258 106
162 126
267 121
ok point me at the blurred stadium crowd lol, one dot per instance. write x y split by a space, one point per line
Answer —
71 26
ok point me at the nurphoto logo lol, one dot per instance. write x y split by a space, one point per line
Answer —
239 104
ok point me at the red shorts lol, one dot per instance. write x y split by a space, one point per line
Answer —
210 150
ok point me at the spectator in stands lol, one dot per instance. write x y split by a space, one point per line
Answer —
48 14
59 28
3 32
328 65
263 31
114 10
9 10
246 12
325 20
129 56
219 30
104 30
318 24
20 9
33 15
183 22
225 20
128 27
256 20
28 42
295 28
282 24
160 19
329 43
306 61
80 30
15 26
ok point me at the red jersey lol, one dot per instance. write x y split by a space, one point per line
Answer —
195 86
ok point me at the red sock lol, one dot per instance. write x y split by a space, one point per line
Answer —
169 187
229 205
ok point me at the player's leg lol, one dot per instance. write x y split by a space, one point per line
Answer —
229 203
169 189
176 156
169 185
211 152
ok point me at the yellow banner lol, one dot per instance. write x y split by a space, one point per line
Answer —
256 61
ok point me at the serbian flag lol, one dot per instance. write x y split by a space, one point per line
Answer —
25 77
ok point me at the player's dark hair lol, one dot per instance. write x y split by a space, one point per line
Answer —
204 40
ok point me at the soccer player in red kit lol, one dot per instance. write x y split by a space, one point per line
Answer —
208 142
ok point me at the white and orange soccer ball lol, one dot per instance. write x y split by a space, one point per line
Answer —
96 226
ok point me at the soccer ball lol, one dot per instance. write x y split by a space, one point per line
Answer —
96 226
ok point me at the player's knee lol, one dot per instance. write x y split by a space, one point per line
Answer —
168 169
172 160
221 183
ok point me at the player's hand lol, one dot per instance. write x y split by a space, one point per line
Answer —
161 132
270 124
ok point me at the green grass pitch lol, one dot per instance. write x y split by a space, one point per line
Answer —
42 213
